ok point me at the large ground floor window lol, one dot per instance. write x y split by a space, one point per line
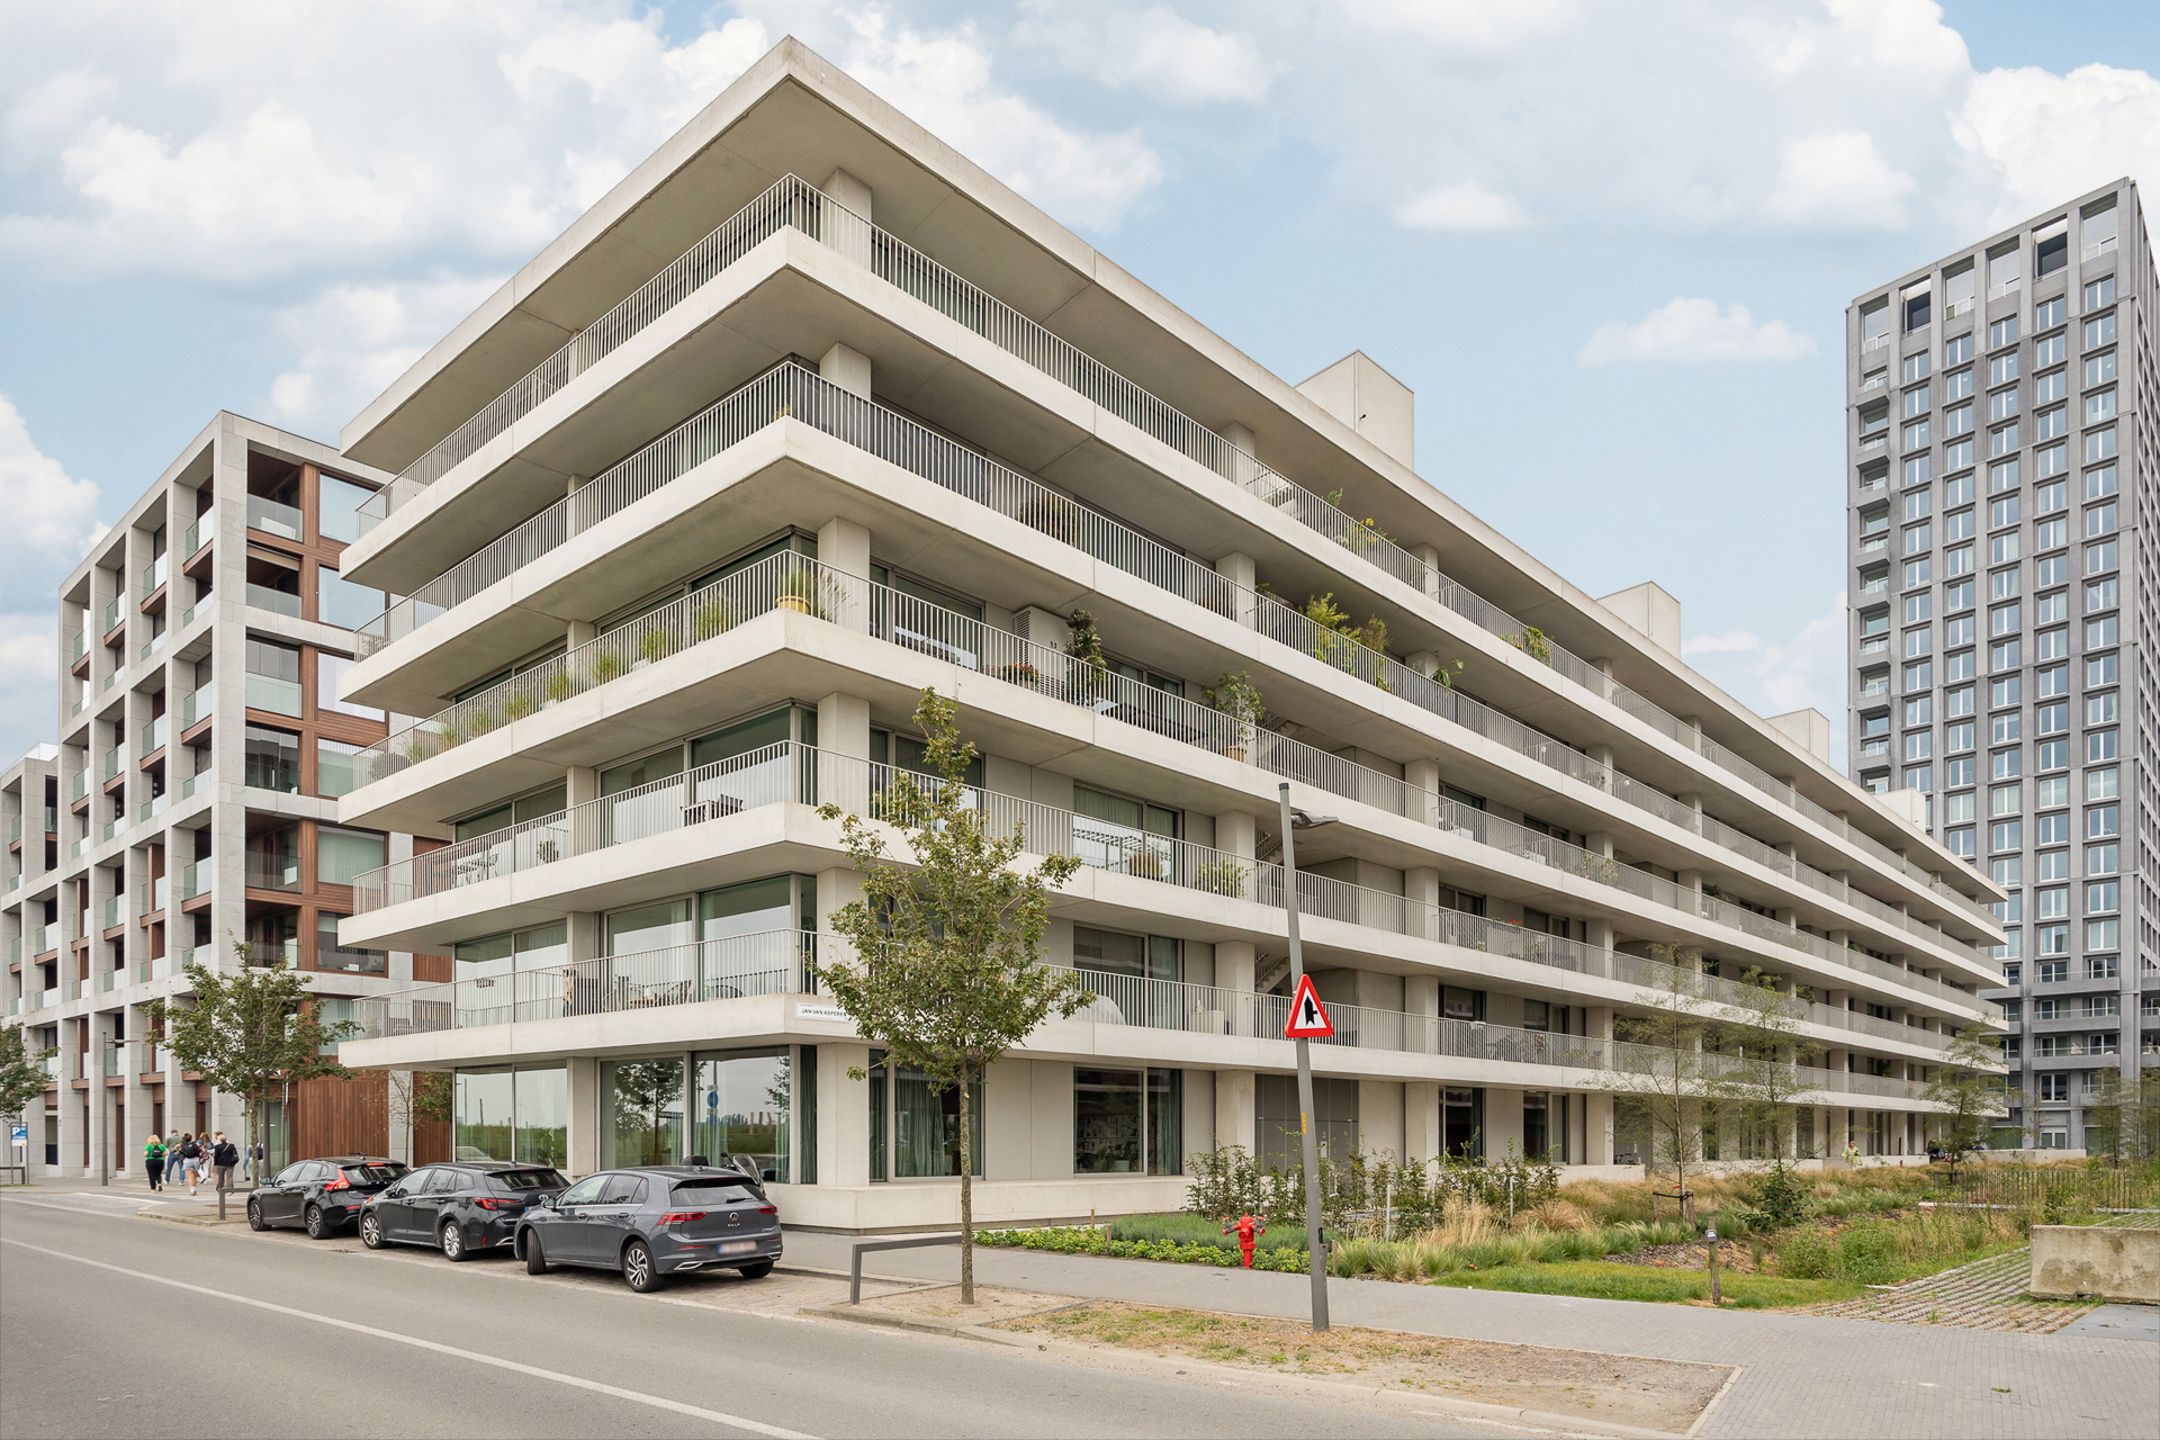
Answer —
721 1105
641 1121
915 1128
522 1114
1126 1122
745 1105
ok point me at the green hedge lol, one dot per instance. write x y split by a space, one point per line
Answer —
1079 1241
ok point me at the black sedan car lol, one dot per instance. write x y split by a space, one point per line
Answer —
653 1222
459 1208
321 1196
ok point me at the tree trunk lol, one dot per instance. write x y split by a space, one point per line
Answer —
251 1108
967 1197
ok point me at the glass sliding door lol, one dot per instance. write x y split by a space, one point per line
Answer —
543 1117
642 1122
653 958
1128 1122
745 1108
747 939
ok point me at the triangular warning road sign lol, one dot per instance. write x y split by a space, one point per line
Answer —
1308 1017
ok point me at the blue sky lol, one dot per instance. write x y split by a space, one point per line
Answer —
1541 215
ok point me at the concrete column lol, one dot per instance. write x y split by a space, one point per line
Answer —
582 1140
1235 968
1430 556
1423 776
847 368
1598 1128
1383 1112
1236 1109
1238 834
843 728
1239 571
70 1099
1243 467
843 1114
849 234
1421 889
845 546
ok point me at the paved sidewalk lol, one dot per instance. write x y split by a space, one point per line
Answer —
1802 1375
1984 1295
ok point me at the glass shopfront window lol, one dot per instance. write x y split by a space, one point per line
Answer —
644 1120
543 1117
745 1104
1127 1121
482 1112
1335 1118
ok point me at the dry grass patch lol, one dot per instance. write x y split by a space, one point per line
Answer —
1619 1389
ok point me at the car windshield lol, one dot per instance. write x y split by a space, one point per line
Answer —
530 1180
373 1174
712 1190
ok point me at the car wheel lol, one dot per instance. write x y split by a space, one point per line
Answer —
637 1267
371 1234
453 1240
535 1262
255 1216
318 1228
757 1271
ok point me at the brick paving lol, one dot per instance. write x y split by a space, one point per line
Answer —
1985 1295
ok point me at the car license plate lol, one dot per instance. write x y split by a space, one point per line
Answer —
737 1247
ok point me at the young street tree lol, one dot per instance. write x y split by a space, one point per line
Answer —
947 970
1666 1092
249 1032
417 1095
22 1078
1762 1052
1967 1087
2122 1121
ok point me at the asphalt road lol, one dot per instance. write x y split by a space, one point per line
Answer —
114 1325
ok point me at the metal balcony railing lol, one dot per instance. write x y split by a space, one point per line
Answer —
793 392
784 962
793 203
787 772
806 586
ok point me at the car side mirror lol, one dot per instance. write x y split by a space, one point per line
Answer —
547 1202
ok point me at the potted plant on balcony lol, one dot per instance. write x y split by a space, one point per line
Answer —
518 706
1084 646
714 617
1221 877
803 591
1533 642
1146 862
480 721
656 645
1239 701
1050 514
560 686
1021 672
606 666
1444 673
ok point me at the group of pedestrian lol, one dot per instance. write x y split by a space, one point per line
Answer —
193 1158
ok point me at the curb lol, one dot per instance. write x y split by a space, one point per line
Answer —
855 1316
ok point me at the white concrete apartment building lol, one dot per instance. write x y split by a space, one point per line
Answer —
2001 471
811 413
191 799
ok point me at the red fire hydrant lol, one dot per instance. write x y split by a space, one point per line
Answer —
1248 1230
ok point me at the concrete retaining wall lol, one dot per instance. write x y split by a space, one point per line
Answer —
2079 1260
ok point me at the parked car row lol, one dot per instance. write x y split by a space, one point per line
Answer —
647 1222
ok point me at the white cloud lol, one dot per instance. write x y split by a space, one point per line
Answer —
1772 677
1475 26
1464 208
49 512
1838 181
2035 138
1686 329
52 517
1155 51
942 80
253 140
351 341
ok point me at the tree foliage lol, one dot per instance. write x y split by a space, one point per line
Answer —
249 1031
417 1095
2122 1121
1966 1089
946 972
22 1071
1764 1053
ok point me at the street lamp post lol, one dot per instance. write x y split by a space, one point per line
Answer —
1315 1252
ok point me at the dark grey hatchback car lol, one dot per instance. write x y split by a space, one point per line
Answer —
653 1222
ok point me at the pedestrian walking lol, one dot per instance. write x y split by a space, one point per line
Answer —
224 1155
255 1164
190 1161
153 1160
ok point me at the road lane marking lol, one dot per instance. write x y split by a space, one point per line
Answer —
575 1382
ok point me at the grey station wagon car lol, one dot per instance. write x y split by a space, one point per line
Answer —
653 1222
